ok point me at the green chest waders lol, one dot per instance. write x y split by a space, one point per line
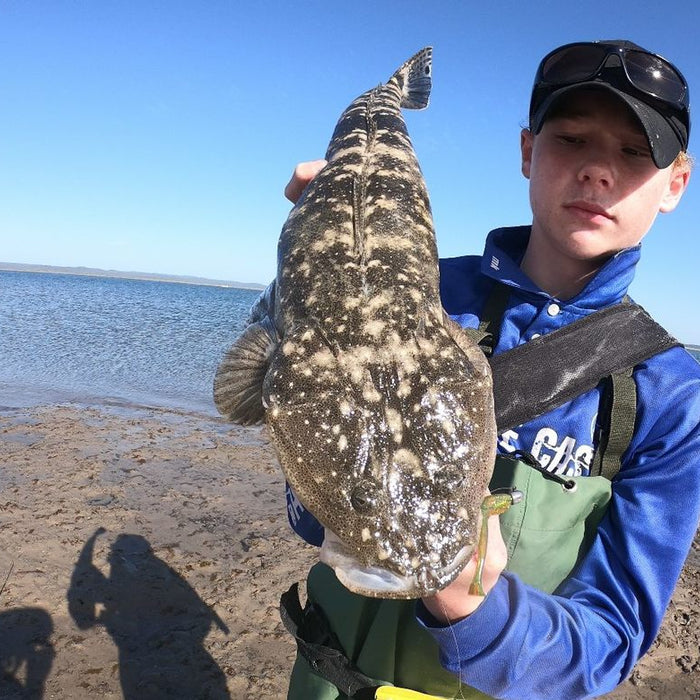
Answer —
360 643
546 534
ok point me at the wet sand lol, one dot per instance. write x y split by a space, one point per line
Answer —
145 549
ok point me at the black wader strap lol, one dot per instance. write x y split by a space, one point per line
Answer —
320 647
618 411
486 335
546 372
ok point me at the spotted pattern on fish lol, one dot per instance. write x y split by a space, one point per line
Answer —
380 408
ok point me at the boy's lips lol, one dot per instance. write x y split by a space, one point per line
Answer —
588 209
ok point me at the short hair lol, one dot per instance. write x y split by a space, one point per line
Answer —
684 160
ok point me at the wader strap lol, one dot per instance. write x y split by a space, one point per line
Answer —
546 372
620 400
486 335
321 649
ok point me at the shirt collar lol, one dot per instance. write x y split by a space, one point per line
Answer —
504 251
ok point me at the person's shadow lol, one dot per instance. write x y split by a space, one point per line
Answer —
157 621
26 653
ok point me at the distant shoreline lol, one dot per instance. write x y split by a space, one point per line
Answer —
117 274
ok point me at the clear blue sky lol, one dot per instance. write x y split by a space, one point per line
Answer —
158 135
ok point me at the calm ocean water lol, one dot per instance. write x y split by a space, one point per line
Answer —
94 339
87 339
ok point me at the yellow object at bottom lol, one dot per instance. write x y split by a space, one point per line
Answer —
389 692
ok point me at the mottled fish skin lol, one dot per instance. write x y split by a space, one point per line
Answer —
379 406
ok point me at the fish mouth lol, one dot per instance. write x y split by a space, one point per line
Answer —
380 582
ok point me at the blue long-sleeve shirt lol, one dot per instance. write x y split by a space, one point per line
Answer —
583 640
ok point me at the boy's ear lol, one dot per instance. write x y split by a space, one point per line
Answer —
526 139
680 176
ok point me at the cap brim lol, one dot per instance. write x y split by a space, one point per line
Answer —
664 142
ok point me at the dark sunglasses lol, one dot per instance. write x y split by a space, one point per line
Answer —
648 73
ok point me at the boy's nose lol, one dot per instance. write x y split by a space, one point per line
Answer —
595 170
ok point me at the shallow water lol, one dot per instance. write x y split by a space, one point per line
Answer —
69 338
106 340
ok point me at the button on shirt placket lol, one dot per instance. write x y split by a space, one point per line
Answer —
551 310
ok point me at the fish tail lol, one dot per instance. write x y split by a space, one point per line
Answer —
414 79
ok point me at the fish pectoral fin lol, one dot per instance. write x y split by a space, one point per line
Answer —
239 378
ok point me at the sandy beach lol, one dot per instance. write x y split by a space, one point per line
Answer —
143 552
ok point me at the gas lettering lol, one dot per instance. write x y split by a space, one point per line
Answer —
561 456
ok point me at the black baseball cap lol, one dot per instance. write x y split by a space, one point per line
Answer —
651 86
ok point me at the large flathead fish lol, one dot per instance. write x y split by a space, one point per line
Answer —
379 406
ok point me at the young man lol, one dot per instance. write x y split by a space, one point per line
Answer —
605 152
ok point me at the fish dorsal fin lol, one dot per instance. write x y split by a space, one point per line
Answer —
415 79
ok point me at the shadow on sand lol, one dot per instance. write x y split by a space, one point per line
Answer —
26 653
155 618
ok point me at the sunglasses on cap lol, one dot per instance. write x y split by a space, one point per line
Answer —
651 86
647 73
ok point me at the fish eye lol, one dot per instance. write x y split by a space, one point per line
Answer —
363 497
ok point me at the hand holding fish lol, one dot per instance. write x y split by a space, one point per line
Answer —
301 177
455 602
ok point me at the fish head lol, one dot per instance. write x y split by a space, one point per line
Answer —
419 518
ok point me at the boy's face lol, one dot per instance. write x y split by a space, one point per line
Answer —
594 188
